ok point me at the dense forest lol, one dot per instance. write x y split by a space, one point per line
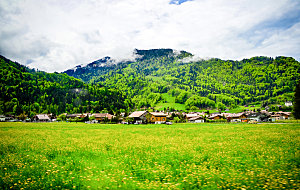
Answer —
156 75
200 84
24 91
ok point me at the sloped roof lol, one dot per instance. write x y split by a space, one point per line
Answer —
103 115
190 115
236 115
158 114
214 115
195 118
284 113
42 117
137 114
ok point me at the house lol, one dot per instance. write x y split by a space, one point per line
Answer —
2 118
158 117
77 115
215 116
139 116
72 116
197 119
276 117
103 116
286 115
265 115
288 104
42 118
255 116
237 117
191 115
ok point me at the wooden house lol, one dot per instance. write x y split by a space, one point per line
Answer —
102 116
237 117
139 116
285 115
158 117
276 117
215 116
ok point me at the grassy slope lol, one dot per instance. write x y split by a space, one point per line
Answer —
202 156
170 102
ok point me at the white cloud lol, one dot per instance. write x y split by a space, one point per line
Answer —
57 35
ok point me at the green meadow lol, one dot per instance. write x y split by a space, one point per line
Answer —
179 156
169 103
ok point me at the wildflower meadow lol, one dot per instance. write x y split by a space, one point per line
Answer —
179 156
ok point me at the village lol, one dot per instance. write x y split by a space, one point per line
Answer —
157 117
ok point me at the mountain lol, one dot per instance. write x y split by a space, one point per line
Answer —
25 91
106 64
158 75
158 78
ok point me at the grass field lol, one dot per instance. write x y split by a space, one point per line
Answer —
170 102
189 156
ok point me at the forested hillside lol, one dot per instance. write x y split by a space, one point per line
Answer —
25 91
198 84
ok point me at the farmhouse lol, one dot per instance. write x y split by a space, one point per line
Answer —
215 116
77 115
197 119
276 117
158 117
286 115
191 115
102 116
238 117
139 116
42 118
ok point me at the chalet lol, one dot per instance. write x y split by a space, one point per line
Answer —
237 117
286 115
139 116
276 117
77 115
103 116
191 115
42 118
158 117
72 116
215 116
2 118
197 119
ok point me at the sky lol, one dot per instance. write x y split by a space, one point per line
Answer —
56 35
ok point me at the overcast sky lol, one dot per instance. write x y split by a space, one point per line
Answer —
55 35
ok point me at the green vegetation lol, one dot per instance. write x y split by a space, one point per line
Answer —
159 78
26 92
189 156
296 110
202 84
169 102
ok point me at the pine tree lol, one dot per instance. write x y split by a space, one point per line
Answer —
296 110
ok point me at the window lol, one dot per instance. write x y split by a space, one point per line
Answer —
163 119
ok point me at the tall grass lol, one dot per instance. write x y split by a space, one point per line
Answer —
189 156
